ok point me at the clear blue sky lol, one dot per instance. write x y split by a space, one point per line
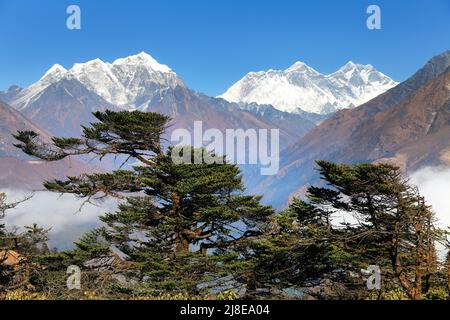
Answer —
213 43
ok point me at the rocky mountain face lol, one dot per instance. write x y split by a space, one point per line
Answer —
185 106
10 94
12 121
65 105
300 88
57 103
17 170
408 125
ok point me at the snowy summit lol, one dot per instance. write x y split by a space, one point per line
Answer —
301 88
127 83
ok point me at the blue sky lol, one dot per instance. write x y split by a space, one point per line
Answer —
213 43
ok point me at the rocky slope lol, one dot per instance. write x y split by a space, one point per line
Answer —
17 170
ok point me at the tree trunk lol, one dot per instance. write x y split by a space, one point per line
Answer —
418 265
182 246
182 243
397 265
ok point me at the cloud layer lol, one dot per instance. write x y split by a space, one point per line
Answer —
59 212
434 185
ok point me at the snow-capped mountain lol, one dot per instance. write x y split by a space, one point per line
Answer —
301 88
62 99
127 83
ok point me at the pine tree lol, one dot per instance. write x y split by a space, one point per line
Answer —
7 239
4 206
3 269
178 220
387 223
393 225
34 240
299 254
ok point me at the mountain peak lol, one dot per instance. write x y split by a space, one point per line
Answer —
89 65
14 88
56 71
441 61
356 66
350 64
300 87
432 69
95 61
297 64
143 58
300 66
142 55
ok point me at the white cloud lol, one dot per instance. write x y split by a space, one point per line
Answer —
60 212
434 185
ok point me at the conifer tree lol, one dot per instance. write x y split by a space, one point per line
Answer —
4 206
300 254
175 219
5 241
3 270
386 223
34 240
392 226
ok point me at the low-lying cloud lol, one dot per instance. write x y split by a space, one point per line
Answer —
434 185
61 213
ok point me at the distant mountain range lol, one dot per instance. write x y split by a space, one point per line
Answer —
62 100
408 125
300 88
